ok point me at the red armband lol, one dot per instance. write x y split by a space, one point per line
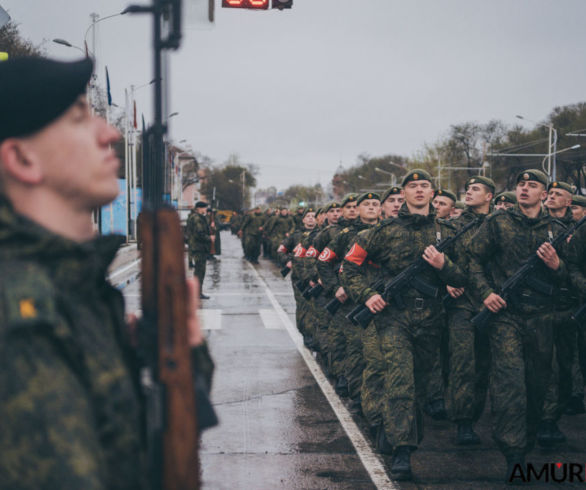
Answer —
327 255
356 255
282 249
311 252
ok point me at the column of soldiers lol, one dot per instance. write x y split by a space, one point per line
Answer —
422 351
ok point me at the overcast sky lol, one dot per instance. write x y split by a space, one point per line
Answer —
299 91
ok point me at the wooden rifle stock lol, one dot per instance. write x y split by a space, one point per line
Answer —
171 405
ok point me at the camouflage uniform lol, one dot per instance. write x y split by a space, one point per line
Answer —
346 338
521 336
409 338
71 408
277 232
252 235
199 242
469 355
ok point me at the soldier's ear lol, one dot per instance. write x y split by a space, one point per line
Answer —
17 165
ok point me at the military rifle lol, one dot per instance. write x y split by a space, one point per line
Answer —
167 376
523 276
313 292
408 277
285 270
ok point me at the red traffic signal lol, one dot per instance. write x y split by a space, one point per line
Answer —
282 4
246 4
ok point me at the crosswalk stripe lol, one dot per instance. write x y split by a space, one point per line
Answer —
210 319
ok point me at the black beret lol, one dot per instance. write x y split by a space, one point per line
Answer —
533 174
417 174
460 205
506 196
201 204
390 192
349 198
310 210
479 179
579 201
368 195
446 193
334 205
561 185
35 91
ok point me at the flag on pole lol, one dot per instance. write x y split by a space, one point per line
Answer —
108 87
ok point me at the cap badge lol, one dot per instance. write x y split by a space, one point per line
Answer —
555 184
472 181
415 176
526 176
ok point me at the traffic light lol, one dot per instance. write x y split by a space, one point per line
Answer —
246 4
282 4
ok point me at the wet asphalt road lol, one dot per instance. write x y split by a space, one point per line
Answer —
277 428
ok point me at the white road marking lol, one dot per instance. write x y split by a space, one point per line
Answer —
371 462
210 319
271 319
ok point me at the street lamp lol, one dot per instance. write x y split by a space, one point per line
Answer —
64 42
173 114
552 147
544 155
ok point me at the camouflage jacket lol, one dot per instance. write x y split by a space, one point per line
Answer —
503 243
333 253
71 412
252 224
394 244
469 300
304 257
280 227
198 233
287 249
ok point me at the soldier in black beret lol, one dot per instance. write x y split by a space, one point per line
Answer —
71 409
444 202
505 200
559 200
391 202
578 207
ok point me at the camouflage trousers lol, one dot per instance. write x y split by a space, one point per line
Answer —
409 341
251 244
301 310
321 320
354 359
337 340
469 367
521 367
438 376
563 384
199 266
371 391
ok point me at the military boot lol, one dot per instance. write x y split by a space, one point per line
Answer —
436 409
513 475
341 386
557 436
466 435
383 446
544 433
401 464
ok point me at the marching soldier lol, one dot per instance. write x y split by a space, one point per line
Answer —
521 336
251 234
443 202
578 207
469 354
391 202
199 240
505 200
409 338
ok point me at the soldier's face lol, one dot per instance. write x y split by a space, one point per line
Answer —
309 220
349 210
477 195
369 210
418 193
75 157
503 205
333 215
392 204
558 199
443 206
284 212
578 212
530 193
